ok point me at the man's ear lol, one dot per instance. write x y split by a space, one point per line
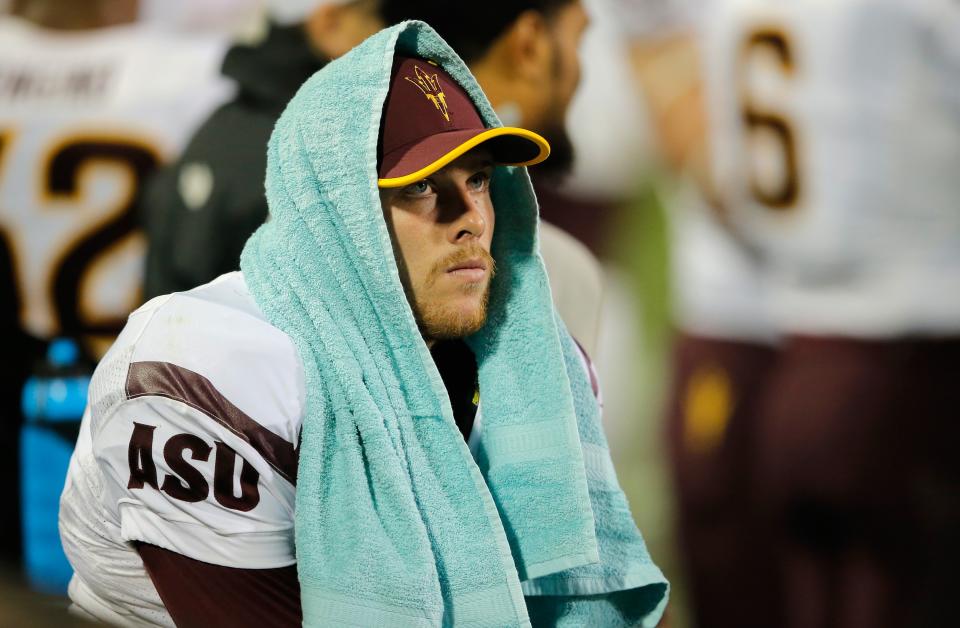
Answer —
527 47
517 73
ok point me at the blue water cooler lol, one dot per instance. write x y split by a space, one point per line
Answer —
53 402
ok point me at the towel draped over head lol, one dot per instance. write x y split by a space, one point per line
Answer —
397 524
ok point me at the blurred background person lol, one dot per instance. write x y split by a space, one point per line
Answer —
200 210
612 200
724 341
836 134
90 102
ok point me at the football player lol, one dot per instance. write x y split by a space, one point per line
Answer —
725 342
90 103
837 130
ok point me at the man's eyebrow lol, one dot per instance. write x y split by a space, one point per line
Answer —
481 163
471 163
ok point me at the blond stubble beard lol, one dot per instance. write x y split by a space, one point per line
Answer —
440 321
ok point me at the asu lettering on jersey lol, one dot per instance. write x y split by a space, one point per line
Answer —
189 483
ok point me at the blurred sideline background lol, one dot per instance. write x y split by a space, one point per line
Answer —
678 278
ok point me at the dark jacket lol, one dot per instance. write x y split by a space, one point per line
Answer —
189 246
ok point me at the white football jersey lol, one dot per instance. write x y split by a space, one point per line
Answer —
719 289
190 443
717 286
576 283
185 446
836 138
84 118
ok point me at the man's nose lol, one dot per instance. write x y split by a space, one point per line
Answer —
470 221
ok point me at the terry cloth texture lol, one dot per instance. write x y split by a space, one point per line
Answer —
396 525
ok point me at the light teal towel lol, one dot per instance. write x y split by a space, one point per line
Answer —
625 588
396 525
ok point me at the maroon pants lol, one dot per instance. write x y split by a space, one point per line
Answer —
712 427
859 481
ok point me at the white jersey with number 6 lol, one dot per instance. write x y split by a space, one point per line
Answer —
84 117
836 140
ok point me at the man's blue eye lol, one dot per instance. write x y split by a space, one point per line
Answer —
479 180
419 188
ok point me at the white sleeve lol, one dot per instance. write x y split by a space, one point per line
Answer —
196 413
205 482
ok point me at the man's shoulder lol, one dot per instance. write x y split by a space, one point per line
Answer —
215 327
210 340
194 423
223 309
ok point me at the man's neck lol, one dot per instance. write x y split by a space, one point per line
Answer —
458 370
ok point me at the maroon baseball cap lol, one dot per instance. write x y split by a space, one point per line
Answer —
429 120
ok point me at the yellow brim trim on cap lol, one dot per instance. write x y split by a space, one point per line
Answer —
426 171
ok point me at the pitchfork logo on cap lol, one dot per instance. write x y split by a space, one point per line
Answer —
430 86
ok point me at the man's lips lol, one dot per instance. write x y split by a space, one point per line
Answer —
470 270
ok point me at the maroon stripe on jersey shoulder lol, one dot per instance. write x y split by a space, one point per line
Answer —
163 379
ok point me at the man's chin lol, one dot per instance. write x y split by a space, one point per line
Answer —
453 321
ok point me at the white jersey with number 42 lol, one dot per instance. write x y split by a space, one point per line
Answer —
84 118
837 146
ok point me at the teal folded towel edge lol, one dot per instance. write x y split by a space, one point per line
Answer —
394 519
624 587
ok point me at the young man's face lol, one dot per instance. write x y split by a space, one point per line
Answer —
441 229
